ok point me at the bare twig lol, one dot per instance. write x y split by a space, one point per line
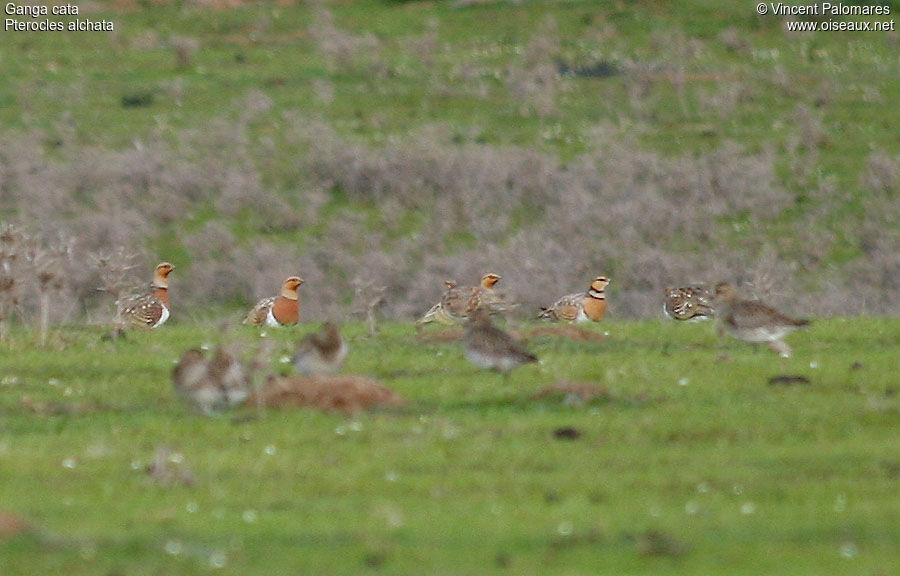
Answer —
48 262
12 245
114 271
367 297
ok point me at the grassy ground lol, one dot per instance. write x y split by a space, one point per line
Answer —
409 59
691 462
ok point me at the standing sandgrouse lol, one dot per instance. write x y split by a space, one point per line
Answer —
281 310
458 302
489 347
321 352
581 307
150 309
753 321
688 303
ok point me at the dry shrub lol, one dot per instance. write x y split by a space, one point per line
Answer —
466 78
340 48
324 90
547 229
226 271
12 257
807 136
674 56
534 80
411 212
722 100
640 78
808 128
34 273
216 272
875 277
425 47
870 283
184 49
734 40
458 186
882 173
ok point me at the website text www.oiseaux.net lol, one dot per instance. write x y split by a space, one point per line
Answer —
825 9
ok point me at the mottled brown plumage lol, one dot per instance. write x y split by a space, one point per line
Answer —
192 382
211 385
753 321
150 309
489 347
458 302
321 352
230 375
587 306
688 303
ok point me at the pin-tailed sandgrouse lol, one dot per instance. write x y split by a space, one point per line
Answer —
281 310
587 306
321 352
458 302
688 303
150 309
211 385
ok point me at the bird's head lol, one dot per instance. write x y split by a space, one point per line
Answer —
488 280
161 275
725 291
289 288
599 283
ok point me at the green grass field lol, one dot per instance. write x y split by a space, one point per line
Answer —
208 137
690 462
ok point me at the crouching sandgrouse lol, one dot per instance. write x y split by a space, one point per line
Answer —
322 352
459 302
587 306
753 321
150 309
281 310
691 303
211 385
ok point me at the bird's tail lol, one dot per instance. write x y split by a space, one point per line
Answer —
430 316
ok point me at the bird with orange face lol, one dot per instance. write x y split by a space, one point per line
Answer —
281 310
459 302
150 309
587 306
